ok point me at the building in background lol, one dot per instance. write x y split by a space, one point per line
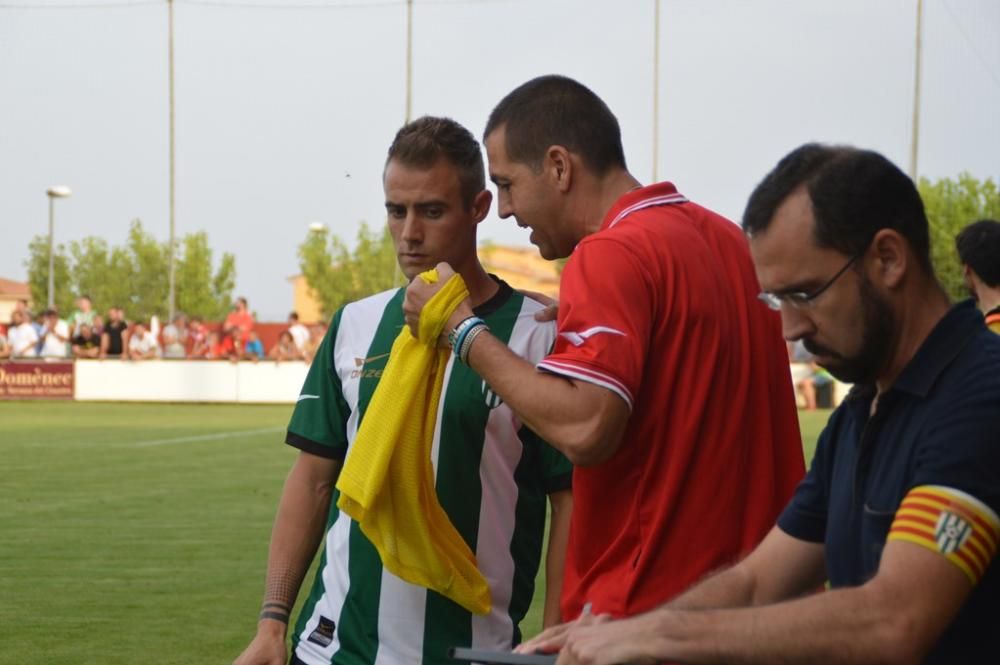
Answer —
10 293
521 267
304 302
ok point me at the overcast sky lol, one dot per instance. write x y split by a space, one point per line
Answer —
284 111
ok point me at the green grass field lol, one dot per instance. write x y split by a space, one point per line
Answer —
138 533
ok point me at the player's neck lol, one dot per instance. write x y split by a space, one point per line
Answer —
989 298
604 192
918 316
481 286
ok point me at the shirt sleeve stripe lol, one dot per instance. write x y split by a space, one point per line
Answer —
588 375
934 508
963 498
950 522
976 547
964 503
921 541
911 516
314 447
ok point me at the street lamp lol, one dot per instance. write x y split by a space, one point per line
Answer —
58 192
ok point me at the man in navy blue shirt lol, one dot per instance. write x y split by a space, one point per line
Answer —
898 512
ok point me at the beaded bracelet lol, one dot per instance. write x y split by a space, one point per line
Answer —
457 336
470 337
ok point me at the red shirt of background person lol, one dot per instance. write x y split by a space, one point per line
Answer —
241 319
668 387
223 345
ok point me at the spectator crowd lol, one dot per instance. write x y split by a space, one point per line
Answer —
88 334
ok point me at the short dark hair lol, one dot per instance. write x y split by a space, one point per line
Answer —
294 316
978 246
422 142
556 110
854 193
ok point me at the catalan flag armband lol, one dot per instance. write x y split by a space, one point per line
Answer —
956 525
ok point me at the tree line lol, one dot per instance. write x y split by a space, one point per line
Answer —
134 275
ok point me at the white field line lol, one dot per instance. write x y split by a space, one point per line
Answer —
208 437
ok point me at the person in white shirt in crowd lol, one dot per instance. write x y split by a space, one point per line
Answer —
172 347
178 331
21 335
142 344
4 345
300 334
55 335
316 335
84 314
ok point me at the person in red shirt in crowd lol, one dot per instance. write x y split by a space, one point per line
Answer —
668 386
224 344
241 321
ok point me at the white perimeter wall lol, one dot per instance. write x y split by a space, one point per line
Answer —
207 381
189 381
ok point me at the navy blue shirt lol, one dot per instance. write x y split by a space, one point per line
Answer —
939 424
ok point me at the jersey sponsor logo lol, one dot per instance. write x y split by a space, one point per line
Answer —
304 396
323 635
578 338
492 399
361 362
361 373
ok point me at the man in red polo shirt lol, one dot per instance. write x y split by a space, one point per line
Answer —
668 386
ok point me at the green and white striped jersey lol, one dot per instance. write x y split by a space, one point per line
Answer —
492 477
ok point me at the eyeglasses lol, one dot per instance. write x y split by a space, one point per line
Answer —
801 299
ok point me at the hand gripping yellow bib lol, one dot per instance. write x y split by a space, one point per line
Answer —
387 483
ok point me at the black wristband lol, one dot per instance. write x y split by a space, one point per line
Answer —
277 616
273 603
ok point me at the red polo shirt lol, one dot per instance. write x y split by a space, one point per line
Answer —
660 306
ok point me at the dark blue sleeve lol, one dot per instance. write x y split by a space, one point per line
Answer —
961 448
805 516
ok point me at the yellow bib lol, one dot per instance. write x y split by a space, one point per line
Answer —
387 483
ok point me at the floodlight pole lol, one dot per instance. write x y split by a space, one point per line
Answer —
52 252
409 60
53 194
171 297
656 91
915 138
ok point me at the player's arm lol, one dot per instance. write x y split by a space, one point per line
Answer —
582 420
896 617
781 567
297 532
561 503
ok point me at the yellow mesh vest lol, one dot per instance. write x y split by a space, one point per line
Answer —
387 483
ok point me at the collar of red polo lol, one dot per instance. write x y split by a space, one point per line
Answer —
663 193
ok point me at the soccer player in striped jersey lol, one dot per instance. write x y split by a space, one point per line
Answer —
493 474
899 511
